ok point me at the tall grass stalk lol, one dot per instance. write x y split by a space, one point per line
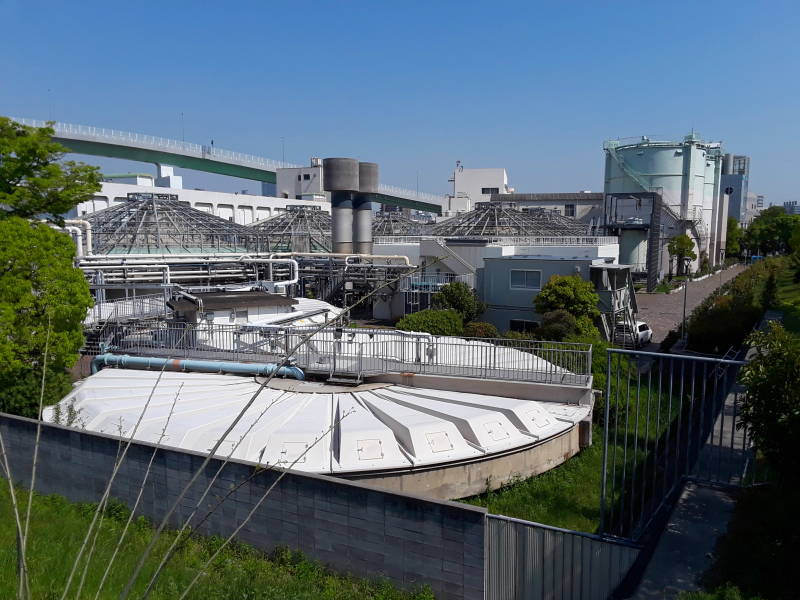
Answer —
107 491
22 568
128 522
213 451
250 514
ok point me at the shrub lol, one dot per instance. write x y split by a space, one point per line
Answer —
435 322
570 293
771 405
479 329
460 297
557 325
769 295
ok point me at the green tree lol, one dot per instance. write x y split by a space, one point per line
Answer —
460 297
570 293
435 322
479 329
771 232
771 405
43 302
680 247
34 180
733 238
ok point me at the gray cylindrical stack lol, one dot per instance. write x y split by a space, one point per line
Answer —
362 215
341 179
727 164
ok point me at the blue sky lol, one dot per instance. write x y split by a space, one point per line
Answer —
533 87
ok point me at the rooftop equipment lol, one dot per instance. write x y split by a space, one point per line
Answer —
502 219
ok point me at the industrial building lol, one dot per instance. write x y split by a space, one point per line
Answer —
509 285
735 183
655 190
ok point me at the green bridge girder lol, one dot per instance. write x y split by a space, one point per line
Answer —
209 165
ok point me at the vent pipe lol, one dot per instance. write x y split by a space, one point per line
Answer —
362 215
340 177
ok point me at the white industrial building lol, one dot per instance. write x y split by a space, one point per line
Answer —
238 208
471 186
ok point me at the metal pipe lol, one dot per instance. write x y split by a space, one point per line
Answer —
245 258
345 255
164 268
88 226
126 361
78 239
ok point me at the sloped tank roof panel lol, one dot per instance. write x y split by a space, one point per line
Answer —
310 426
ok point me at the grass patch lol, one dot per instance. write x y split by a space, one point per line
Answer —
567 496
789 299
241 572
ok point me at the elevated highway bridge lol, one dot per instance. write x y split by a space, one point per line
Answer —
112 143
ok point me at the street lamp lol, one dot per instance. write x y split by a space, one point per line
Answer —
721 268
686 262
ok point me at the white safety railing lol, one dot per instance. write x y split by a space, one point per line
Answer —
149 305
358 352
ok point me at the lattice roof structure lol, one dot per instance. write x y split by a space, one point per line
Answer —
298 229
160 224
394 223
502 219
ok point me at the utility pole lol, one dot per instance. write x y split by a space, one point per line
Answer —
183 130
686 262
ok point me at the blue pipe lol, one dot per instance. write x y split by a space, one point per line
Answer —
126 361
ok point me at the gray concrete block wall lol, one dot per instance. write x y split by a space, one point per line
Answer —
350 527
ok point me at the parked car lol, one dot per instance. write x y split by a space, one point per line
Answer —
641 335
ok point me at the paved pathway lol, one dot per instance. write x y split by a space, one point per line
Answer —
664 311
686 547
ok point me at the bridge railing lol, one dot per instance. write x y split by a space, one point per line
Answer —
102 134
210 152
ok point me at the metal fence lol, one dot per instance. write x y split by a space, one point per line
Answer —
144 306
534 561
358 352
668 418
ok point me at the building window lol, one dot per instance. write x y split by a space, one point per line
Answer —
569 210
299 178
528 280
490 190
522 326
306 176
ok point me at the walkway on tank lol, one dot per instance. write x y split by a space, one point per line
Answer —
663 312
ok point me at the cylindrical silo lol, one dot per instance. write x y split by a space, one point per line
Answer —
362 208
340 176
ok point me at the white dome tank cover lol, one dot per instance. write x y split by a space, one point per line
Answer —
309 426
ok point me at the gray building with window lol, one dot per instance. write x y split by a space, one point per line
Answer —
508 285
734 182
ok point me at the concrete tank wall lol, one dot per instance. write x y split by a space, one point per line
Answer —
633 249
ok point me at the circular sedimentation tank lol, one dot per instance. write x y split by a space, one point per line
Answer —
439 442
